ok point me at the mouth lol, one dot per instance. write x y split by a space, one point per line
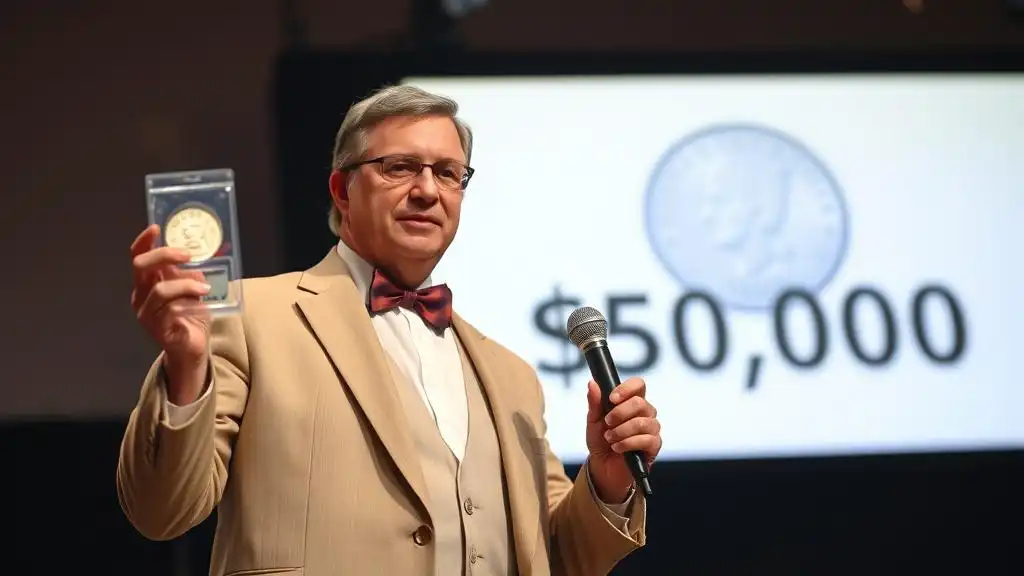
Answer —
420 219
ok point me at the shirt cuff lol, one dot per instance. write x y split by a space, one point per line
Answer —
178 416
618 514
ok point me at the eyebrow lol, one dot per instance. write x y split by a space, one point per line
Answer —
419 157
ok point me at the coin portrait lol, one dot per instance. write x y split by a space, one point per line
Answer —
195 229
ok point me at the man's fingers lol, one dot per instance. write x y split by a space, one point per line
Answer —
628 389
635 427
138 298
146 268
159 257
191 307
147 278
632 408
145 265
649 444
144 241
196 275
166 292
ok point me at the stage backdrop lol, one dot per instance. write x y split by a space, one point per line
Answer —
798 265
838 200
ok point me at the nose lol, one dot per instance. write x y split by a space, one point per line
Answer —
424 186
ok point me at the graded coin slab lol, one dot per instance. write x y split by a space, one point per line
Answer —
196 213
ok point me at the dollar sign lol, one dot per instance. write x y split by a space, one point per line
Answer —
549 317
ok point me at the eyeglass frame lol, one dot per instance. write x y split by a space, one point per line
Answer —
381 159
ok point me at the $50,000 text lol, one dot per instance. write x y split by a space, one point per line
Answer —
926 301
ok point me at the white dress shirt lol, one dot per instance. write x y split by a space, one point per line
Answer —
430 361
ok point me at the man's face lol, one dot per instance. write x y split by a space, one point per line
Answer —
395 223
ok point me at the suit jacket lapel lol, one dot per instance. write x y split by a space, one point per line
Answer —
523 502
336 313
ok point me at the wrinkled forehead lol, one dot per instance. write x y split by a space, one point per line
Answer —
432 137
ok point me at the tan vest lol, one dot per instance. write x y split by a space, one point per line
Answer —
468 501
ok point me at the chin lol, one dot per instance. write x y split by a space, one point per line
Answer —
420 247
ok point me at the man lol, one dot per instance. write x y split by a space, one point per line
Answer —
346 422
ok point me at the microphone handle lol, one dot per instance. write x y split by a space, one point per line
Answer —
602 368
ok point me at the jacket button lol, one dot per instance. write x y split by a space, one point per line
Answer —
468 505
423 535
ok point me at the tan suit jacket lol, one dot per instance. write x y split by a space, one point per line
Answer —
302 447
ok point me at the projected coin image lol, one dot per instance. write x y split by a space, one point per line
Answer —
747 212
195 229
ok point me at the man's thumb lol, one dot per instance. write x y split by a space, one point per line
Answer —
594 401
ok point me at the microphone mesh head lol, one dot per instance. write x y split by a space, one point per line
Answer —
584 324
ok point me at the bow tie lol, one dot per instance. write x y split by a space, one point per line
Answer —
433 304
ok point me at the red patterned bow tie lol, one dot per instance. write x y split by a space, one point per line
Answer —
433 304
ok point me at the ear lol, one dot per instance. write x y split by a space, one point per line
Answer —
339 190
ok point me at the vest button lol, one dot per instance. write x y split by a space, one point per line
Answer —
423 535
468 505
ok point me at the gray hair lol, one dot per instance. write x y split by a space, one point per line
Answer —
402 100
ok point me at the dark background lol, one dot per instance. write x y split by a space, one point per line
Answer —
97 94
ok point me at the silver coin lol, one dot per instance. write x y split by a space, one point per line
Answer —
746 212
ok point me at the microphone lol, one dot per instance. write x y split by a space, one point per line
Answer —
588 330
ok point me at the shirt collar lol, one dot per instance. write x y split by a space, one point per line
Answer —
362 271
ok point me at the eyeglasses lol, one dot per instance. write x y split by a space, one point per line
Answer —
449 174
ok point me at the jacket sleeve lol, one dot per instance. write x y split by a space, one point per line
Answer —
584 539
171 474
